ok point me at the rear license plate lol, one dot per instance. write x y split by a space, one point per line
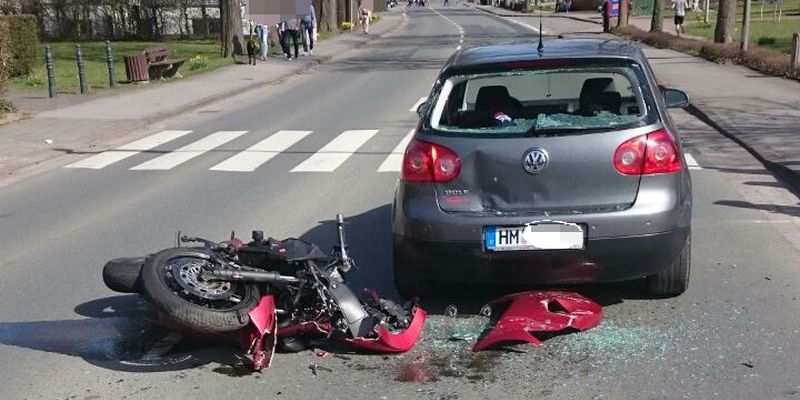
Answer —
538 236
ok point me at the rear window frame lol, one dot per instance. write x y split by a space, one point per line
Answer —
643 89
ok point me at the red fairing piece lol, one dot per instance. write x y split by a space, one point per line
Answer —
540 311
390 342
262 335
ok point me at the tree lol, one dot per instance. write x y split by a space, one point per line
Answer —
327 17
657 23
231 18
723 33
622 21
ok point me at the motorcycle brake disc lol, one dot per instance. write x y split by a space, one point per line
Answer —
186 273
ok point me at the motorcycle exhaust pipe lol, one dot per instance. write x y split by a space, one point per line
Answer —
250 276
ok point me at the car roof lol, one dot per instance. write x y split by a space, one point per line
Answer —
553 49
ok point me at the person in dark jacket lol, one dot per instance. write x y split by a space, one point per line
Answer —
606 18
252 48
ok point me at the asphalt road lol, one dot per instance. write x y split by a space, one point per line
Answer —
63 335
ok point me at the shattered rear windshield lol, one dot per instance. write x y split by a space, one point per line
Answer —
571 100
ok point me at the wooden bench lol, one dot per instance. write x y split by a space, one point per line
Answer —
160 66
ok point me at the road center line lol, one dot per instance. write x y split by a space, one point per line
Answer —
188 152
261 152
335 153
107 158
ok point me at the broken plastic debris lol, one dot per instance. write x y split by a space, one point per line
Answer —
314 367
540 311
463 335
48 141
320 353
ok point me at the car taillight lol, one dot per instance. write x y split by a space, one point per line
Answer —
428 162
653 153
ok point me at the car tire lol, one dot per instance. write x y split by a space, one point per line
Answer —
673 280
123 275
409 283
186 314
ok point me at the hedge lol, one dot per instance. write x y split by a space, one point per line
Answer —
5 57
24 33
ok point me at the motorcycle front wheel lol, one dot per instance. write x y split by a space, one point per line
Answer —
171 281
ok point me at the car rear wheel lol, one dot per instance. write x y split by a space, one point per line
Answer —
673 280
409 283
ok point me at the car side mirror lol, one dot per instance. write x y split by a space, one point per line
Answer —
422 108
675 98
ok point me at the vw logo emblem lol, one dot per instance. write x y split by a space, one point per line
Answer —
535 160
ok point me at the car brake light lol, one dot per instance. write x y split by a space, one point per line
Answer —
653 153
428 162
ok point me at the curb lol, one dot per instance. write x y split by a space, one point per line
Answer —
545 14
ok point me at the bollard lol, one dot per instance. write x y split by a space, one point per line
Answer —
51 76
112 75
796 51
81 69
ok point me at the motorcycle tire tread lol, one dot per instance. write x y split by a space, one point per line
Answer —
122 277
196 318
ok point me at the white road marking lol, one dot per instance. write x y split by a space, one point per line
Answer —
394 161
458 47
335 153
420 101
188 152
524 25
261 152
107 158
691 162
459 27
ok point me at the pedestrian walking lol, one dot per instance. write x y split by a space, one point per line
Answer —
307 28
606 17
263 33
291 32
680 7
364 15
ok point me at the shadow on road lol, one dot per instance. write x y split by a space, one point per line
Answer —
118 334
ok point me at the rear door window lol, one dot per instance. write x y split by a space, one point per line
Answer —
545 101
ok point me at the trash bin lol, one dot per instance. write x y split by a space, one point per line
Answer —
136 68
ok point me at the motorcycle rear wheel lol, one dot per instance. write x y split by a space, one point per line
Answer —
187 310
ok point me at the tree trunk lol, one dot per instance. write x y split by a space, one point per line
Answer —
231 19
657 23
723 33
327 17
622 21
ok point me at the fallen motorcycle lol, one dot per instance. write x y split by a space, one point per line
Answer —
263 292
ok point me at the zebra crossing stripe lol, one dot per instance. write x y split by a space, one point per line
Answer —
107 158
261 152
333 154
394 161
188 152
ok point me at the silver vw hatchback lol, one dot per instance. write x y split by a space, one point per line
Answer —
558 166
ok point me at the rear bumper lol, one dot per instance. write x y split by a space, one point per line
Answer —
603 260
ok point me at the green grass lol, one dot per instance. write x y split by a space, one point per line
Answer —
760 32
66 70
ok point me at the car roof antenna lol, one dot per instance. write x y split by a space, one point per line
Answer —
540 48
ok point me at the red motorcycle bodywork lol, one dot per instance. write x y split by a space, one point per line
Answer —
540 311
262 333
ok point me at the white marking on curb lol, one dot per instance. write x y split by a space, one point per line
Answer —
394 161
333 154
107 158
188 152
261 152
524 25
416 105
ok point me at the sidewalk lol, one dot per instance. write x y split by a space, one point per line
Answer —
106 116
758 111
